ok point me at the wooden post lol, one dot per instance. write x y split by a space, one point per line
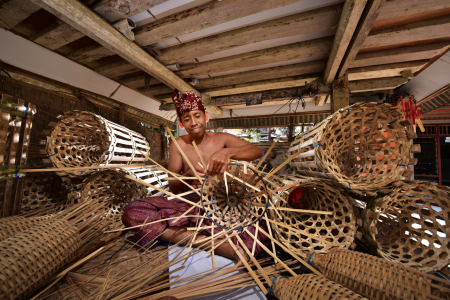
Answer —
290 130
122 115
340 95
163 142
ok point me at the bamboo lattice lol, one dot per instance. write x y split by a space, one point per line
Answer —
82 139
311 287
363 146
410 226
377 278
324 231
242 199
11 226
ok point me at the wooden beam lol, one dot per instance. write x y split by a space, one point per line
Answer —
368 17
210 14
321 100
249 76
424 30
304 23
378 84
340 97
396 11
309 50
89 53
15 11
117 69
351 13
56 36
85 20
397 55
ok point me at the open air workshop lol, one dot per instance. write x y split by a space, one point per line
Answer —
224 149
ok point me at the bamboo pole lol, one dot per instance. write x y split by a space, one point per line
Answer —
265 156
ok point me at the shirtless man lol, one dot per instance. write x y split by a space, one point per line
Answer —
217 149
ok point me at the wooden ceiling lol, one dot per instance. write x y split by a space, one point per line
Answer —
237 48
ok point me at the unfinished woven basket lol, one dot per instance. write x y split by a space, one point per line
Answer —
83 139
410 226
338 229
311 287
111 187
29 258
363 146
377 278
14 225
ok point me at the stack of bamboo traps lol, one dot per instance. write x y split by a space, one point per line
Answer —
310 286
409 225
377 278
313 216
29 258
82 138
362 147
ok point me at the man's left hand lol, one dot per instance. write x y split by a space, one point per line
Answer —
218 162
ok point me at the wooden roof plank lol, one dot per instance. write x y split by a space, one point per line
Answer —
377 84
380 71
298 24
351 14
15 11
424 30
397 55
56 36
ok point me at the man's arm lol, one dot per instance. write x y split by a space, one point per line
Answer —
235 148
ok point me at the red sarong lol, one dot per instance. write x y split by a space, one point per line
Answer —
152 209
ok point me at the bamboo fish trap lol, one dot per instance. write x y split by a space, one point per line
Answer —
16 224
363 147
308 232
239 199
111 187
377 278
410 226
82 139
311 287
31 257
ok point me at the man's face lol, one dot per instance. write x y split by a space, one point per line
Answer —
194 122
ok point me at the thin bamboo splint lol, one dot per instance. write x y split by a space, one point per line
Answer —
324 231
83 139
409 226
363 147
377 278
311 287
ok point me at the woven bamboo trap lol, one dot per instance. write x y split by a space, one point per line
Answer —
410 226
377 278
242 199
363 146
308 232
43 190
152 175
11 226
111 187
311 287
83 139
31 257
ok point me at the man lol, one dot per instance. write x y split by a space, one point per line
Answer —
217 149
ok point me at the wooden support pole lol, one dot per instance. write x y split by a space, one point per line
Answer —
122 115
340 95
163 142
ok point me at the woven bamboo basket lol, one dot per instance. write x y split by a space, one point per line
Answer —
363 147
113 188
410 226
337 229
243 205
43 191
151 175
311 287
377 278
29 258
11 226
83 139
